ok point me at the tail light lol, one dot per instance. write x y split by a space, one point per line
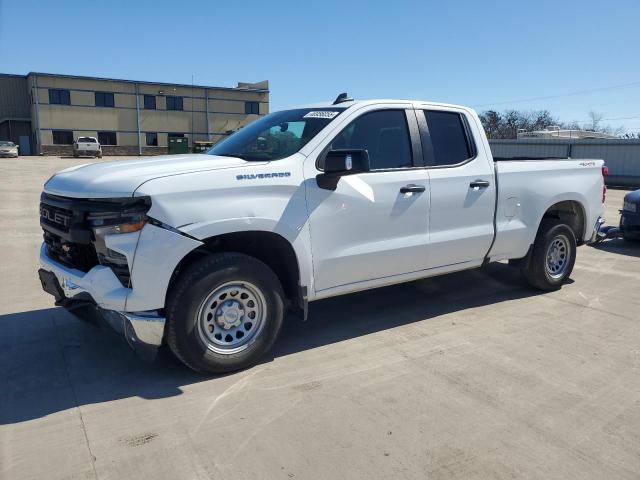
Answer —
605 174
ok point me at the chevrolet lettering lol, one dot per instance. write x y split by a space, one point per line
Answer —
54 217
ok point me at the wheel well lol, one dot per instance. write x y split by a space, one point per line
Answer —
571 213
272 249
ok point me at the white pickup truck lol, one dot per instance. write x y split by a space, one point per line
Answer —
88 147
206 253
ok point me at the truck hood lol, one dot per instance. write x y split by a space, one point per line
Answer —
122 177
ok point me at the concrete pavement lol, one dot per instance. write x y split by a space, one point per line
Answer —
471 375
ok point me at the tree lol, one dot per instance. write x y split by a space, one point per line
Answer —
507 123
595 119
491 122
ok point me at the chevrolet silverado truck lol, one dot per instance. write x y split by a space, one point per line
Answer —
206 253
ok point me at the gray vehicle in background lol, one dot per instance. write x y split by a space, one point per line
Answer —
8 149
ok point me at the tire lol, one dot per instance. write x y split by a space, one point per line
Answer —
212 301
558 240
75 155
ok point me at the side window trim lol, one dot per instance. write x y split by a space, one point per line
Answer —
427 144
414 139
417 158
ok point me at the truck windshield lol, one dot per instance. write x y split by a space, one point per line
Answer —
276 135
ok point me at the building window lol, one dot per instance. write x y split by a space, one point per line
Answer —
149 102
252 108
58 96
62 137
107 138
175 135
104 99
152 138
174 103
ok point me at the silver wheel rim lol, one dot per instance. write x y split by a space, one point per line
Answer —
231 317
558 256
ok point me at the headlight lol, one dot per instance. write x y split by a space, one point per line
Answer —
630 207
130 218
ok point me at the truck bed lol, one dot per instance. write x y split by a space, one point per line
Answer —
528 187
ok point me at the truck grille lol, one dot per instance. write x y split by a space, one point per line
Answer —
75 255
66 233
69 236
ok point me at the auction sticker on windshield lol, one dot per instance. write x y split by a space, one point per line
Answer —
321 114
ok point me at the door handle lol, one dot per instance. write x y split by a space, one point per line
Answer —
479 184
412 188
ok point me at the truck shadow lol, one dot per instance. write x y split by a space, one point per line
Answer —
53 362
620 246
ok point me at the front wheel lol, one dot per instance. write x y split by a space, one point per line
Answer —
224 313
553 256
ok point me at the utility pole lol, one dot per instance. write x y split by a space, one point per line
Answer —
193 143
138 118
37 100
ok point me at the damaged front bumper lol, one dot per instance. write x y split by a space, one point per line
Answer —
98 294
76 291
143 331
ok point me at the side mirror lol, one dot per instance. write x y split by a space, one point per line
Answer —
346 162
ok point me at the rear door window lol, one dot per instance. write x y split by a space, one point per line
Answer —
449 138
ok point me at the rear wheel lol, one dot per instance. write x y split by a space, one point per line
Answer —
553 256
224 313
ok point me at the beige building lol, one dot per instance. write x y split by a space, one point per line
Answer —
128 117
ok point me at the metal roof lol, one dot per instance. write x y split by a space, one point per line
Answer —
141 82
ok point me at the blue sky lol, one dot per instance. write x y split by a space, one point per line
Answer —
479 53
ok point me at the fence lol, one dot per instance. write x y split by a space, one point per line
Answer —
621 156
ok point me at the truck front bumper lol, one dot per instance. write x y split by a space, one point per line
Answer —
79 292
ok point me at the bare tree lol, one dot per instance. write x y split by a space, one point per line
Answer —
506 124
595 120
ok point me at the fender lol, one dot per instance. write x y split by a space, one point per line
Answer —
249 198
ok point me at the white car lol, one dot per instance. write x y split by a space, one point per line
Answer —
8 149
87 147
206 253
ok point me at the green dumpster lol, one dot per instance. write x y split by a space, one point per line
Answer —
178 145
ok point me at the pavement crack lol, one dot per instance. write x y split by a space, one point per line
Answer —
75 395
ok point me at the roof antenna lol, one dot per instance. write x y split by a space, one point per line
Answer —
343 97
